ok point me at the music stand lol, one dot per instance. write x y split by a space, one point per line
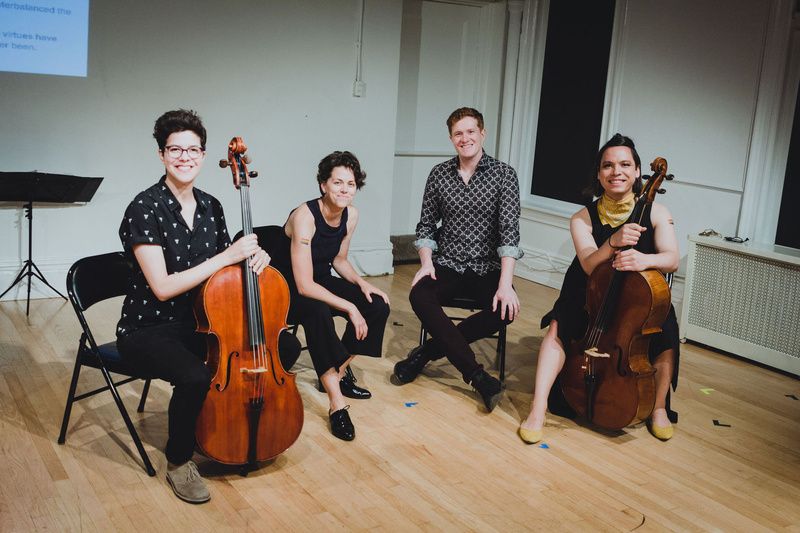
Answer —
29 187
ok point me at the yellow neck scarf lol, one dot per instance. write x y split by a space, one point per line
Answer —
613 212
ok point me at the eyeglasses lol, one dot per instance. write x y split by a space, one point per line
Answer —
176 152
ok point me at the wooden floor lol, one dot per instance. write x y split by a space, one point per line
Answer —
426 456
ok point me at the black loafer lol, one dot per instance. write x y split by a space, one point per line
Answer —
409 368
341 425
348 387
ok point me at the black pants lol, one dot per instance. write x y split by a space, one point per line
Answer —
324 346
449 339
176 353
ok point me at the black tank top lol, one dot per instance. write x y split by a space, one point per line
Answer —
326 242
572 297
601 231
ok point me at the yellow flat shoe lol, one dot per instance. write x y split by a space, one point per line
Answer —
660 432
530 436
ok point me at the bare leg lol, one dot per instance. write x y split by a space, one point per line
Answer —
343 368
664 365
550 362
330 380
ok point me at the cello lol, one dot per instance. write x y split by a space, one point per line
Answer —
253 411
607 376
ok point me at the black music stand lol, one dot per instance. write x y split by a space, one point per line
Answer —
29 187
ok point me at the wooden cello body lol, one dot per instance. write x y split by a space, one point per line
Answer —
607 376
253 411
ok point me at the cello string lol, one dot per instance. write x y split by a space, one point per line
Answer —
252 331
256 315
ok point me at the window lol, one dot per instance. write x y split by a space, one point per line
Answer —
572 97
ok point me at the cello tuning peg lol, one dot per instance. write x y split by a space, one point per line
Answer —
246 159
253 174
646 177
223 163
661 191
669 177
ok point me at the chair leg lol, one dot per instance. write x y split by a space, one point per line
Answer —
146 389
62 436
501 353
134 435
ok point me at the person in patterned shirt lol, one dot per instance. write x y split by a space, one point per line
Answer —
175 235
474 251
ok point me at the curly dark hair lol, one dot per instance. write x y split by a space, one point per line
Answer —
340 159
617 140
463 112
175 121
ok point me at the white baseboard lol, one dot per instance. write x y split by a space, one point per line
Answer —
372 258
542 267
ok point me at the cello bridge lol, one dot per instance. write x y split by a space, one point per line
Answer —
592 352
259 370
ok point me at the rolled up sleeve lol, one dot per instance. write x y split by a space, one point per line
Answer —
509 217
430 216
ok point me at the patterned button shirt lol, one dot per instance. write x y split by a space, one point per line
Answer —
480 219
154 217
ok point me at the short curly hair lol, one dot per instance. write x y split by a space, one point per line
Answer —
463 112
176 121
340 159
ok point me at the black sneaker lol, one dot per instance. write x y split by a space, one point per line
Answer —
409 368
489 389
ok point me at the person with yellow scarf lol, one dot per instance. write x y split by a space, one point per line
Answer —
599 232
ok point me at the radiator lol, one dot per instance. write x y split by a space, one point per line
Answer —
744 299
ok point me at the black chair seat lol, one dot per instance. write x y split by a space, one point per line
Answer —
113 361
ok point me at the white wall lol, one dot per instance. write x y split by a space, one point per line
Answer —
452 56
280 74
690 81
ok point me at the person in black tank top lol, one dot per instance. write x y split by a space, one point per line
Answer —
317 239
598 232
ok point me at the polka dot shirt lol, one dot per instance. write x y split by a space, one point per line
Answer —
154 217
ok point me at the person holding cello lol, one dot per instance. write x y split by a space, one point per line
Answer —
176 237
599 232
317 238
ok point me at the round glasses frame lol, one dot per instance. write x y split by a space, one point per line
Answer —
176 152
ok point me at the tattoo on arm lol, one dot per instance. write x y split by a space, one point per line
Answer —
305 241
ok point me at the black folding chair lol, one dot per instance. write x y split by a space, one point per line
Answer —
471 304
89 281
269 239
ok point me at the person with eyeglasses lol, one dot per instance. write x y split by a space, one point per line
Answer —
599 232
176 237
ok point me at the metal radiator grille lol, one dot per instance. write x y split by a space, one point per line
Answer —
747 298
